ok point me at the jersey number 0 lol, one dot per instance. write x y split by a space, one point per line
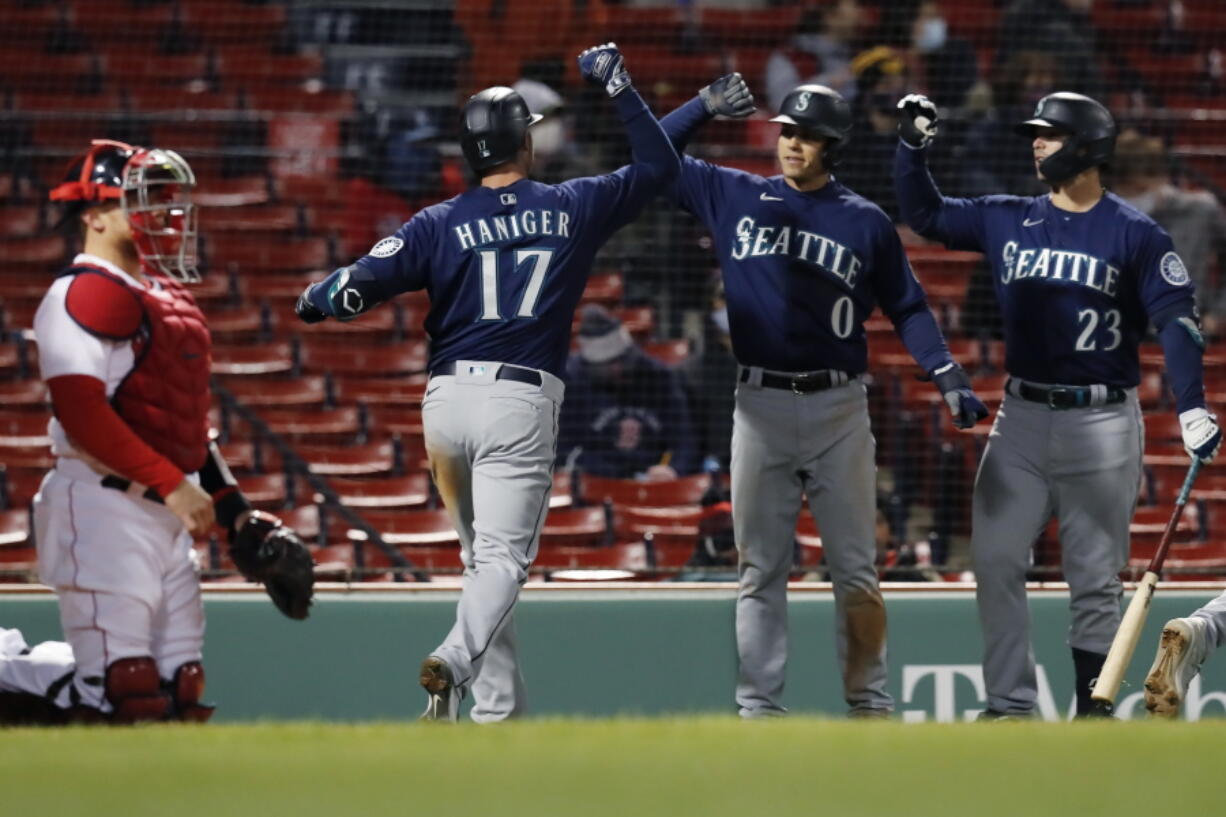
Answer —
489 282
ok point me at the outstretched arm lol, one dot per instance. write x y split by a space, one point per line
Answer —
726 96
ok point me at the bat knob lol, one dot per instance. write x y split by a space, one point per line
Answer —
1101 709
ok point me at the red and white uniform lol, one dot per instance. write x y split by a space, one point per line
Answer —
127 366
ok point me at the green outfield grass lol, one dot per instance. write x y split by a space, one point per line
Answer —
707 766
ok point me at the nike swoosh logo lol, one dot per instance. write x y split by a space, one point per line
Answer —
766 197
1029 223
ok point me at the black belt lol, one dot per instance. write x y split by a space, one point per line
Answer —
505 372
799 383
121 484
1066 397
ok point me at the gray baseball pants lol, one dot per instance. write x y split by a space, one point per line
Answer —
785 447
491 445
1083 466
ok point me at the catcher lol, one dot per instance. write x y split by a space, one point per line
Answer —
125 353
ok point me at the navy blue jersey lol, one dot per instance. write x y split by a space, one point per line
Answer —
803 271
505 267
1076 290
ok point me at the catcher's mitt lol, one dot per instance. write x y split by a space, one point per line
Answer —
264 550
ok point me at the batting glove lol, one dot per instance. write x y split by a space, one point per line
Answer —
1201 436
917 120
965 406
307 311
728 96
603 65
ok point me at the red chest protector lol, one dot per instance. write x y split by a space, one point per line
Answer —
165 398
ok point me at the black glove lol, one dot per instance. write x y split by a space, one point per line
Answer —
917 120
965 406
264 550
603 65
728 96
307 311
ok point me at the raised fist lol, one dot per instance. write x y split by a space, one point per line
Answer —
603 65
917 120
728 96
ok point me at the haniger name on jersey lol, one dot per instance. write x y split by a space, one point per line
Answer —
1059 265
824 253
512 226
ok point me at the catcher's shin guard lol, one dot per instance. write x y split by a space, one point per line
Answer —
135 691
187 687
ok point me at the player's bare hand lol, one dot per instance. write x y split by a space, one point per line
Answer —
1201 435
660 473
603 65
728 96
917 120
193 507
964 405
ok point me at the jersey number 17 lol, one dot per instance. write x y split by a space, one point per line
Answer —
532 293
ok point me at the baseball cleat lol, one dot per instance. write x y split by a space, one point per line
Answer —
1180 653
443 703
993 715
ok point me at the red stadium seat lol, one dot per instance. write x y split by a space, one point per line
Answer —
239 66
628 557
370 459
24 394
302 392
382 323
261 254
238 192
228 22
326 104
576 527
180 102
238 323
271 218
39 72
14 529
605 289
681 491
269 358
45 250
403 391
353 359
314 424
408 491
275 287
668 352
126 67
239 455
410 527
405 421
23 429
20 484
20 220
266 491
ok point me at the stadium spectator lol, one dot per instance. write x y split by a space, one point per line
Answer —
1194 219
710 377
820 51
625 415
881 78
1017 84
946 66
1058 29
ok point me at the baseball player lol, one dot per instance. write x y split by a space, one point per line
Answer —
1079 275
805 261
35 682
505 264
1182 649
125 353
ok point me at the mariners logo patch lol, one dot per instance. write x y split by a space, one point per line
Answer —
1173 270
387 247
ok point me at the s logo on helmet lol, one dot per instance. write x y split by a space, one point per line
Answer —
802 101
1173 271
387 247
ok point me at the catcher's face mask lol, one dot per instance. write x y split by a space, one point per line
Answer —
157 188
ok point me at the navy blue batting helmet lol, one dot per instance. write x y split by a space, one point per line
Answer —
822 111
492 127
1091 133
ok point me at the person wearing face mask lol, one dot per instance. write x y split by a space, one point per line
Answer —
937 60
711 378
1140 174
1060 29
625 415
881 76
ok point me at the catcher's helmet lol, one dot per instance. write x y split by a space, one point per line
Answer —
1090 128
822 111
153 187
492 127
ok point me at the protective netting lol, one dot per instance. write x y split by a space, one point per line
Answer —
317 127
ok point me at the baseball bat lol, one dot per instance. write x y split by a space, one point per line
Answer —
1120 655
